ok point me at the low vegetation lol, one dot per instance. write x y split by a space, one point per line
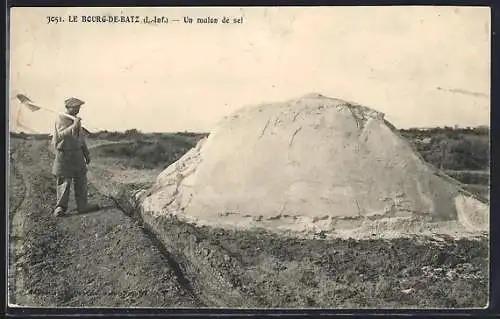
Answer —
368 273
147 151
453 148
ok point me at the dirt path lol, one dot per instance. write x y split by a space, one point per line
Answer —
97 259
20 190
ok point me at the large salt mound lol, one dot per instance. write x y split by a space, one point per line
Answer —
313 163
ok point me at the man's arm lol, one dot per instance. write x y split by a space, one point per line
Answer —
65 127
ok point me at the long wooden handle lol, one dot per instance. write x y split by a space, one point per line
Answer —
66 114
74 118
25 100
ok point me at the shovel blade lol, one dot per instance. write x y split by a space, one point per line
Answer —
23 98
32 107
26 101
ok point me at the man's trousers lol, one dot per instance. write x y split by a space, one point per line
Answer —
80 188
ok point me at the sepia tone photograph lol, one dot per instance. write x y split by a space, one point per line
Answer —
249 158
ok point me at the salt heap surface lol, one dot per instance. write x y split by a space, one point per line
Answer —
312 164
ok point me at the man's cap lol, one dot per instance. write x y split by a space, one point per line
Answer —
73 102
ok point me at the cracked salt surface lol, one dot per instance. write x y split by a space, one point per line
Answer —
308 165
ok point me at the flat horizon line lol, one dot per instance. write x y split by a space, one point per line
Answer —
207 132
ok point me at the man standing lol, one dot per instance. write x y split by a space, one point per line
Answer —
71 159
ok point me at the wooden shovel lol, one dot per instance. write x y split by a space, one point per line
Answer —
26 101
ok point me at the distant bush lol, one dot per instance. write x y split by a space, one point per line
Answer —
151 152
452 148
107 135
136 134
21 135
133 133
32 136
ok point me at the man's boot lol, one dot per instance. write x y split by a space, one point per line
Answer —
59 211
81 194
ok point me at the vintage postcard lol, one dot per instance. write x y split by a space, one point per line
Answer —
253 157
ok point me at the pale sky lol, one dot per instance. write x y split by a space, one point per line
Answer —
177 77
